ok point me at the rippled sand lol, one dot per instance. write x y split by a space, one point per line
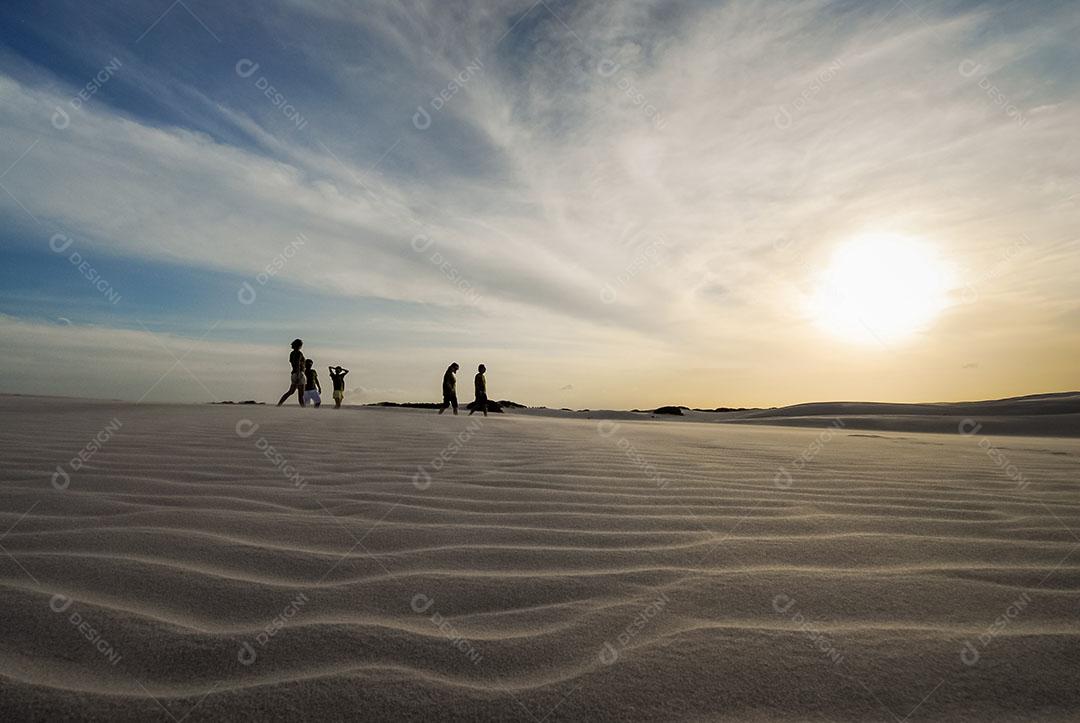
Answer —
396 564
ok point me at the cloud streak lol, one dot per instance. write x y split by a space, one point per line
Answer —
675 174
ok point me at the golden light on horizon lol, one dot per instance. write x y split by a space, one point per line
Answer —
881 289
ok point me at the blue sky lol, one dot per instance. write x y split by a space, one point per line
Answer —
609 204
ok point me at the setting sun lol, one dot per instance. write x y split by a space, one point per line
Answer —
881 289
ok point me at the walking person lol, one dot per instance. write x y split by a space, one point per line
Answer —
337 376
481 391
449 388
297 378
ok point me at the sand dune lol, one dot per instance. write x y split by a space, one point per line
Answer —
1036 415
262 563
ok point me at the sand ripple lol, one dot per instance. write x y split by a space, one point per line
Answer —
543 569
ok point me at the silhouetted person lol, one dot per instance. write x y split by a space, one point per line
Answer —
449 388
297 379
338 379
312 388
481 391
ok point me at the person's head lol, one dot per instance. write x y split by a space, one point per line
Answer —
308 363
454 366
337 369
297 343
481 368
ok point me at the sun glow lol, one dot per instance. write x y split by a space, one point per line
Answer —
881 289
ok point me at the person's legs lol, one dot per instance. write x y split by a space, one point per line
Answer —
300 395
286 395
453 401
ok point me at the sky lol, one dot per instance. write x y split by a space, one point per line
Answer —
610 204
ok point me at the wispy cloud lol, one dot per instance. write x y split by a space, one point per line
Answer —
673 173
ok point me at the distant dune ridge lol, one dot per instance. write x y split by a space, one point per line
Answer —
249 562
1040 415
1031 405
1036 415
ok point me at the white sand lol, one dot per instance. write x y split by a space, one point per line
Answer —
563 569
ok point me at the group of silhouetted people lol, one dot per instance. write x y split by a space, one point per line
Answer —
449 390
304 380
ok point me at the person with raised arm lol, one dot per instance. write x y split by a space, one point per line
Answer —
337 376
